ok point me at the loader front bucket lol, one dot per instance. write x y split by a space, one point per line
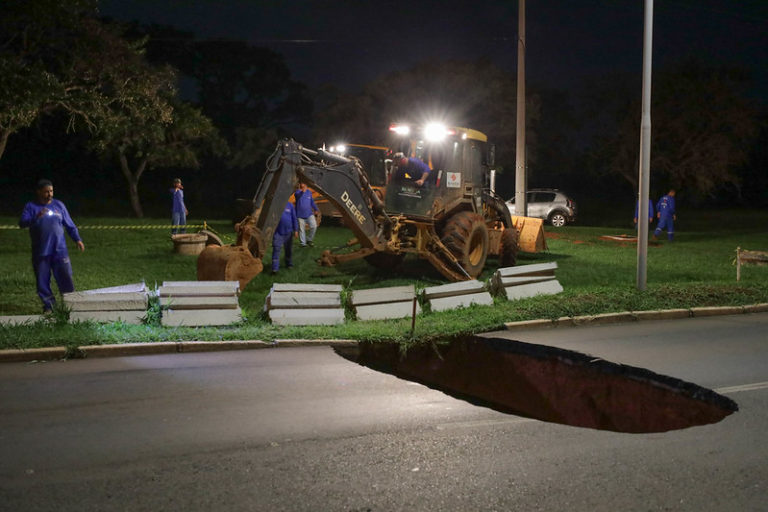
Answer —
228 263
531 233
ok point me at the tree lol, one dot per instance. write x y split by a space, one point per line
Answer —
45 49
246 90
144 125
703 126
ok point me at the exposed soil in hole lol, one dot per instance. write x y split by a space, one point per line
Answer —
550 384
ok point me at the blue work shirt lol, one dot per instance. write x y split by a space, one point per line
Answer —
416 168
178 201
305 204
47 231
288 221
666 206
650 209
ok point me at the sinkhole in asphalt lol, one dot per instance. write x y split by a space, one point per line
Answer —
550 384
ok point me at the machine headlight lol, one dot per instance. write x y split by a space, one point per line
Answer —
400 129
435 132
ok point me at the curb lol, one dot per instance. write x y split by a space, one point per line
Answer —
174 347
634 316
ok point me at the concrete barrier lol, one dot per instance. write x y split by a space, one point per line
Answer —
199 303
526 281
125 303
457 295
304 304
384 303
19 319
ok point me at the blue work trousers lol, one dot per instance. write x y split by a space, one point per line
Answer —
666 222
278 242
178 219
62 272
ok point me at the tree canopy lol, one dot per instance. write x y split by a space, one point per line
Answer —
703 128
45 48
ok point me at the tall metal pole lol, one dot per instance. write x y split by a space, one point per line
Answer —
521 180
645 152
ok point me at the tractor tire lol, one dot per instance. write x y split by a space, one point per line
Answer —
466 235
509 247
385 260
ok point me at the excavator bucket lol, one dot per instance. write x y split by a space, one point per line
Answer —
531 233
233 262
228 263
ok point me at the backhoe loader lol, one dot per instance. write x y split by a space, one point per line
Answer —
453 220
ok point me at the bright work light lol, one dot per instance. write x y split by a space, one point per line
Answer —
435 132
400 129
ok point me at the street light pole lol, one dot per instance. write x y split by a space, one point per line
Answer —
645 152
521 185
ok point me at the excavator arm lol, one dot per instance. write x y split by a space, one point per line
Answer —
341 180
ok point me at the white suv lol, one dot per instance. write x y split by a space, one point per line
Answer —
549 204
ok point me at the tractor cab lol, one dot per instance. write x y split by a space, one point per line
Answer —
458 172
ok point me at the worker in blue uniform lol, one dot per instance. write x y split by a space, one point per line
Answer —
306 210
47 219
412 168
179 210
665 212
287 229
637 212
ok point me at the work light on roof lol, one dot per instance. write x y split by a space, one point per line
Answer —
435 132
400 129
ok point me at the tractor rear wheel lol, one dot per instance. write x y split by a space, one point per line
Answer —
466 235
509 246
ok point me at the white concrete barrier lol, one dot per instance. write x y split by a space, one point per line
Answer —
384 303
457 295
125 303
526 281
199 303
304 304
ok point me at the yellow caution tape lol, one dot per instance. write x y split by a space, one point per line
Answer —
139 226
204 225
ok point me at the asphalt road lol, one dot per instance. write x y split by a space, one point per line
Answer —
305 429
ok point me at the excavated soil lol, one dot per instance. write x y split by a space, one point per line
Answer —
551 384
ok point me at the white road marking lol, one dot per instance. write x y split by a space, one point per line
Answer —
483 423
743 387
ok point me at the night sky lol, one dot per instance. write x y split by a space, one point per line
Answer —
349 43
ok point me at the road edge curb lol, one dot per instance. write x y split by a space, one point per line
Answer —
172 347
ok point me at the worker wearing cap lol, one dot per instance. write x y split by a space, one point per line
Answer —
665 212
179 210
411 168
47 219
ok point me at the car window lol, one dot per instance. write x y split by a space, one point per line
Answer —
545 197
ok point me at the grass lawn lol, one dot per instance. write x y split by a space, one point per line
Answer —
598 277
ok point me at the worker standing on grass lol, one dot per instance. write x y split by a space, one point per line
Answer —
47 218
306 210
287 228
665 212
179 210
637 212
